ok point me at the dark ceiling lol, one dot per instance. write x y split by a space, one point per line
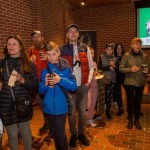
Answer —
96 3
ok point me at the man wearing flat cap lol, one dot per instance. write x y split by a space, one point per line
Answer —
37 54
79 58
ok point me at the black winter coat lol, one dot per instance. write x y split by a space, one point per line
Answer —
7 111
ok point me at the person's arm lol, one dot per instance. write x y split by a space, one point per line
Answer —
123 65
100 67
31 82
68 82
42 85
91 66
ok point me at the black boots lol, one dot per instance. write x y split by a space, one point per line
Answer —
130 123
44 129
73 141
81 137
137 124
108 116
120 112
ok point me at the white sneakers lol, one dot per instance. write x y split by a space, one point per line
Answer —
116 105
91 123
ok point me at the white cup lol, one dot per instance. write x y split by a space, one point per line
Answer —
42 55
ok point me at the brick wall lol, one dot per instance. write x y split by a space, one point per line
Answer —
24 16
112 23
15 18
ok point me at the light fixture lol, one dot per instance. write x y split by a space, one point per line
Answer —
83 2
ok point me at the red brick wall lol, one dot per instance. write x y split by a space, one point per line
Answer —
24 16
21 17
112 23
15 18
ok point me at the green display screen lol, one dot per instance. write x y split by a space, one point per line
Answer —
143 26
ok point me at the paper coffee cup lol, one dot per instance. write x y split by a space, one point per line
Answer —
42 55
144 67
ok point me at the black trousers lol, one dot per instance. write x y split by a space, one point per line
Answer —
109 95
117 97
134 97
57 125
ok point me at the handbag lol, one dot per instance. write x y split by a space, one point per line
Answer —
23 105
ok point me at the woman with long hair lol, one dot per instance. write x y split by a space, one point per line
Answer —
18 75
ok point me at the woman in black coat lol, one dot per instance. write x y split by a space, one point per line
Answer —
119 52
24 80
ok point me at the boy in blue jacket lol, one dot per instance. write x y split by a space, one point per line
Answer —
56 78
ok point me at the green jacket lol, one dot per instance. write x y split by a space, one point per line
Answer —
130 59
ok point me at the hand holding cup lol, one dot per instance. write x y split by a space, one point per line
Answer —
12 78
135 69
33 58
42 55
144 68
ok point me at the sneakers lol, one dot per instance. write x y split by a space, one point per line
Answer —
91 123
97 117
43 129
82 138
73 141
116 105
120 112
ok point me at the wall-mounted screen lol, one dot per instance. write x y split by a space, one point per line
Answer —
143 26
142 8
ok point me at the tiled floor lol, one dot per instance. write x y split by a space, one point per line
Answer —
114 136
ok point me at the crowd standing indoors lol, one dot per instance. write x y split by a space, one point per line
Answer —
22 79
135 65
37 54
56 78
55 74
80 60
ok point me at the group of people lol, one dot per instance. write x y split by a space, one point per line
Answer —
51 72
125 70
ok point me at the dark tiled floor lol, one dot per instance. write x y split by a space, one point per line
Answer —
114 136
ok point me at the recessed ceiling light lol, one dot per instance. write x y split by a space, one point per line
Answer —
82 3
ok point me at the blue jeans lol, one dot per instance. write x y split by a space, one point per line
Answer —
24 129
79 105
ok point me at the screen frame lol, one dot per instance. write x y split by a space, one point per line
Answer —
138 5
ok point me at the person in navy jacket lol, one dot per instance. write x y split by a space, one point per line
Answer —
56 78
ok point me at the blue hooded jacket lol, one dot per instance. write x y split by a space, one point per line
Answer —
55 102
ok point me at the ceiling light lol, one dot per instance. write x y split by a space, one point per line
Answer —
83 2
